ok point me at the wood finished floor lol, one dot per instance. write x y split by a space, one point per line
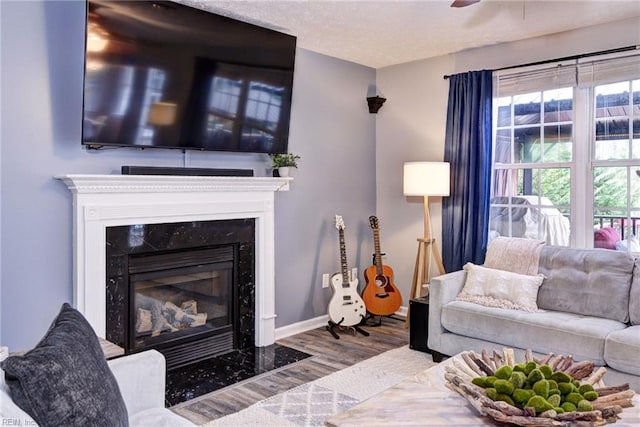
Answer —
328 355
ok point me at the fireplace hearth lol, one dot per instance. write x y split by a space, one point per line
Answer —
207 376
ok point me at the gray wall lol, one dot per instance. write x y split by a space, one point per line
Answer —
42 62
334 133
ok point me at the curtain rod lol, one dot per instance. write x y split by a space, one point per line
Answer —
566 58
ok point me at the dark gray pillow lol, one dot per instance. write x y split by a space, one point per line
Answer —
65 379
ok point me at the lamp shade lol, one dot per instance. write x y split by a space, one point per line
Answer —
426 179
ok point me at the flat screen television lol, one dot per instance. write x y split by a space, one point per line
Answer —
160 74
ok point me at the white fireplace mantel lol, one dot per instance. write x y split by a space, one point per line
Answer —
101 201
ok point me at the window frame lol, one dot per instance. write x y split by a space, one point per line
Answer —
583 162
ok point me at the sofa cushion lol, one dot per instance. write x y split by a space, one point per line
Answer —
580 281
543 332
65 379
498 288
622 350
9 410
634 296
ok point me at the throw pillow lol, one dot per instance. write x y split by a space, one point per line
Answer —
605 238
65 379
498 288
514 254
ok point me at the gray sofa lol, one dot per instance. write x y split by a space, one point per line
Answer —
590 308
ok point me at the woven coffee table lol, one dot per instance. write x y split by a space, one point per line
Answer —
425 401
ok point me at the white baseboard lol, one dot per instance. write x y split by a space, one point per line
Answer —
316 322
299 327
402 311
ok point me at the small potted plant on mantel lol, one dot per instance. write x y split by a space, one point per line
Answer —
282 163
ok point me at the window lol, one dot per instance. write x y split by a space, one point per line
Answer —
154 87
566 151
262 112
224 98
616 151
251 108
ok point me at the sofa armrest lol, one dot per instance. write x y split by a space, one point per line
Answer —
10 413
442 290
447 287
141 378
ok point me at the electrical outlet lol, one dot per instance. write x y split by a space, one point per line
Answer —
325 280
354 273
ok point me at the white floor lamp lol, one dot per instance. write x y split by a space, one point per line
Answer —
426 179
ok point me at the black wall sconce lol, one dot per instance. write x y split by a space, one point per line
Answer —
375 102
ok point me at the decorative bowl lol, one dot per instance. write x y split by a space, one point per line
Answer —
468 374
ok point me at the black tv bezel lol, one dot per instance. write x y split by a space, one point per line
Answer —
96 146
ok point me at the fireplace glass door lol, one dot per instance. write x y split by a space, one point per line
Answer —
180 304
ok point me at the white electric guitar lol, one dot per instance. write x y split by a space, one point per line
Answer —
346 308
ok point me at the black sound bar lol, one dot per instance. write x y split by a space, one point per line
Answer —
159 170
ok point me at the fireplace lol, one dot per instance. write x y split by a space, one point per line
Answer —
182 304
184 289
103 202
171 206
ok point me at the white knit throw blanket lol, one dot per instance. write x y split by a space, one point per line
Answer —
514 254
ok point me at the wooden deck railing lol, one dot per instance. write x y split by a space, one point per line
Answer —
621 224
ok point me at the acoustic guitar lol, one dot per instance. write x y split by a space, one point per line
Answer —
380 295
346 308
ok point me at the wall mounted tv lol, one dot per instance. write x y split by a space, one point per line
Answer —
160 74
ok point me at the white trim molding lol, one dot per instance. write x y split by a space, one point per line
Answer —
318 322
101 201
302 326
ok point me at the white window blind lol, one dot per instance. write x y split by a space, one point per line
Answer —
584 72
525 80
608 70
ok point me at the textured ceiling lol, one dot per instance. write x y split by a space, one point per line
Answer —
382 33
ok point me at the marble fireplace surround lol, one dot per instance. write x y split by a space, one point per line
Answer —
101 201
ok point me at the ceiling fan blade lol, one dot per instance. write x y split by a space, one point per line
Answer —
464 3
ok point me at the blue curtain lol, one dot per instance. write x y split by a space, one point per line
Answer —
465 213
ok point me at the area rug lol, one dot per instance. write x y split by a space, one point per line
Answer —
312 403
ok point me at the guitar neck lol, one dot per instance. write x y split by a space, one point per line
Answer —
343 259
378 255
